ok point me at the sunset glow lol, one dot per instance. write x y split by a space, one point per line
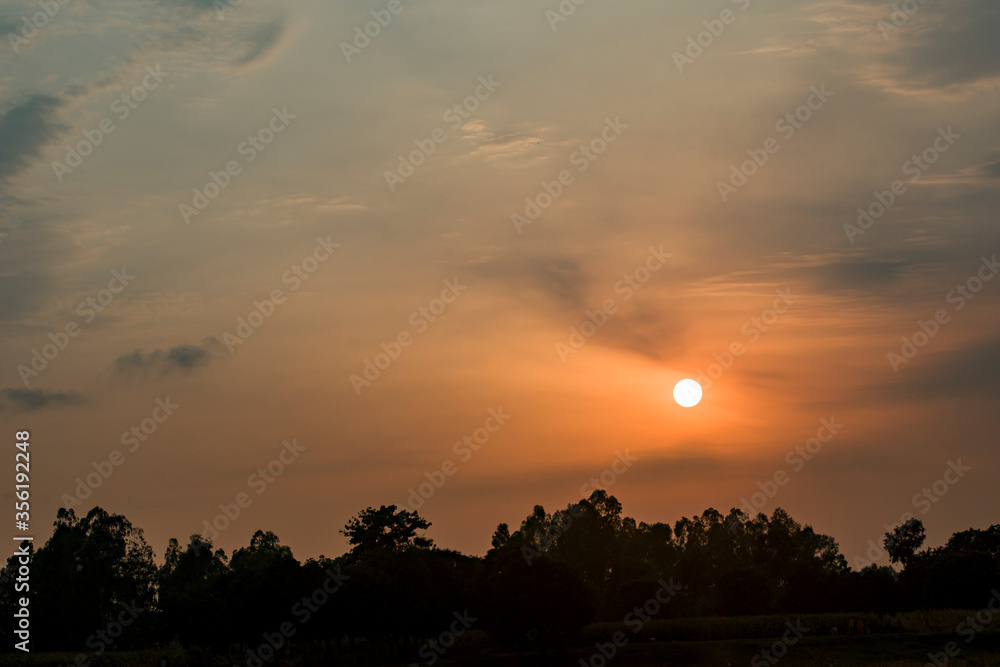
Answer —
371 246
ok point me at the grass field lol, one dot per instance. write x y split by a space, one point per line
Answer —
891 650
895 650
900 640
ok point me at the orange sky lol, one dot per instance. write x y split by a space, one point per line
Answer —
261 113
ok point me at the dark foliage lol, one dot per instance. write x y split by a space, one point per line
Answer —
395 595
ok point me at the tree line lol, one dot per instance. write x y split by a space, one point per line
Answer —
95 585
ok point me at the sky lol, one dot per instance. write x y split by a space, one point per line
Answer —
473 246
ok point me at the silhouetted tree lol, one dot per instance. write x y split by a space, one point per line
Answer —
903 541
192 588
385 529
88 573
876 588
500 536
394 592
972 540
265 584
532 606
959 580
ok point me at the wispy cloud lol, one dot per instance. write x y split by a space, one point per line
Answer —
182 358
27 400
26 126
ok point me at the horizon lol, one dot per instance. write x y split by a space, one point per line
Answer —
875 554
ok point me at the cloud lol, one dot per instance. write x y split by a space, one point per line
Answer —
197 4
21 294
991 170
646 329
25 128
183 358
945 45
977 174
492 145
863 275
954 43
262 41
27 400
561 280
832 273
971 371
30 123
9 24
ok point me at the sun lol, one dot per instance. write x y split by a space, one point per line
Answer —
687 393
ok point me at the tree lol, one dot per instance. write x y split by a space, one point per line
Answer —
532 605
88 572
265 585
385 529
959 580
985 541
903 541
500 536
192 585
536 587
589 536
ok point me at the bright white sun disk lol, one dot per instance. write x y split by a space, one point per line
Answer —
687 393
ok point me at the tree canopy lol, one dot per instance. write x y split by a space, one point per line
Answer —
537 586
